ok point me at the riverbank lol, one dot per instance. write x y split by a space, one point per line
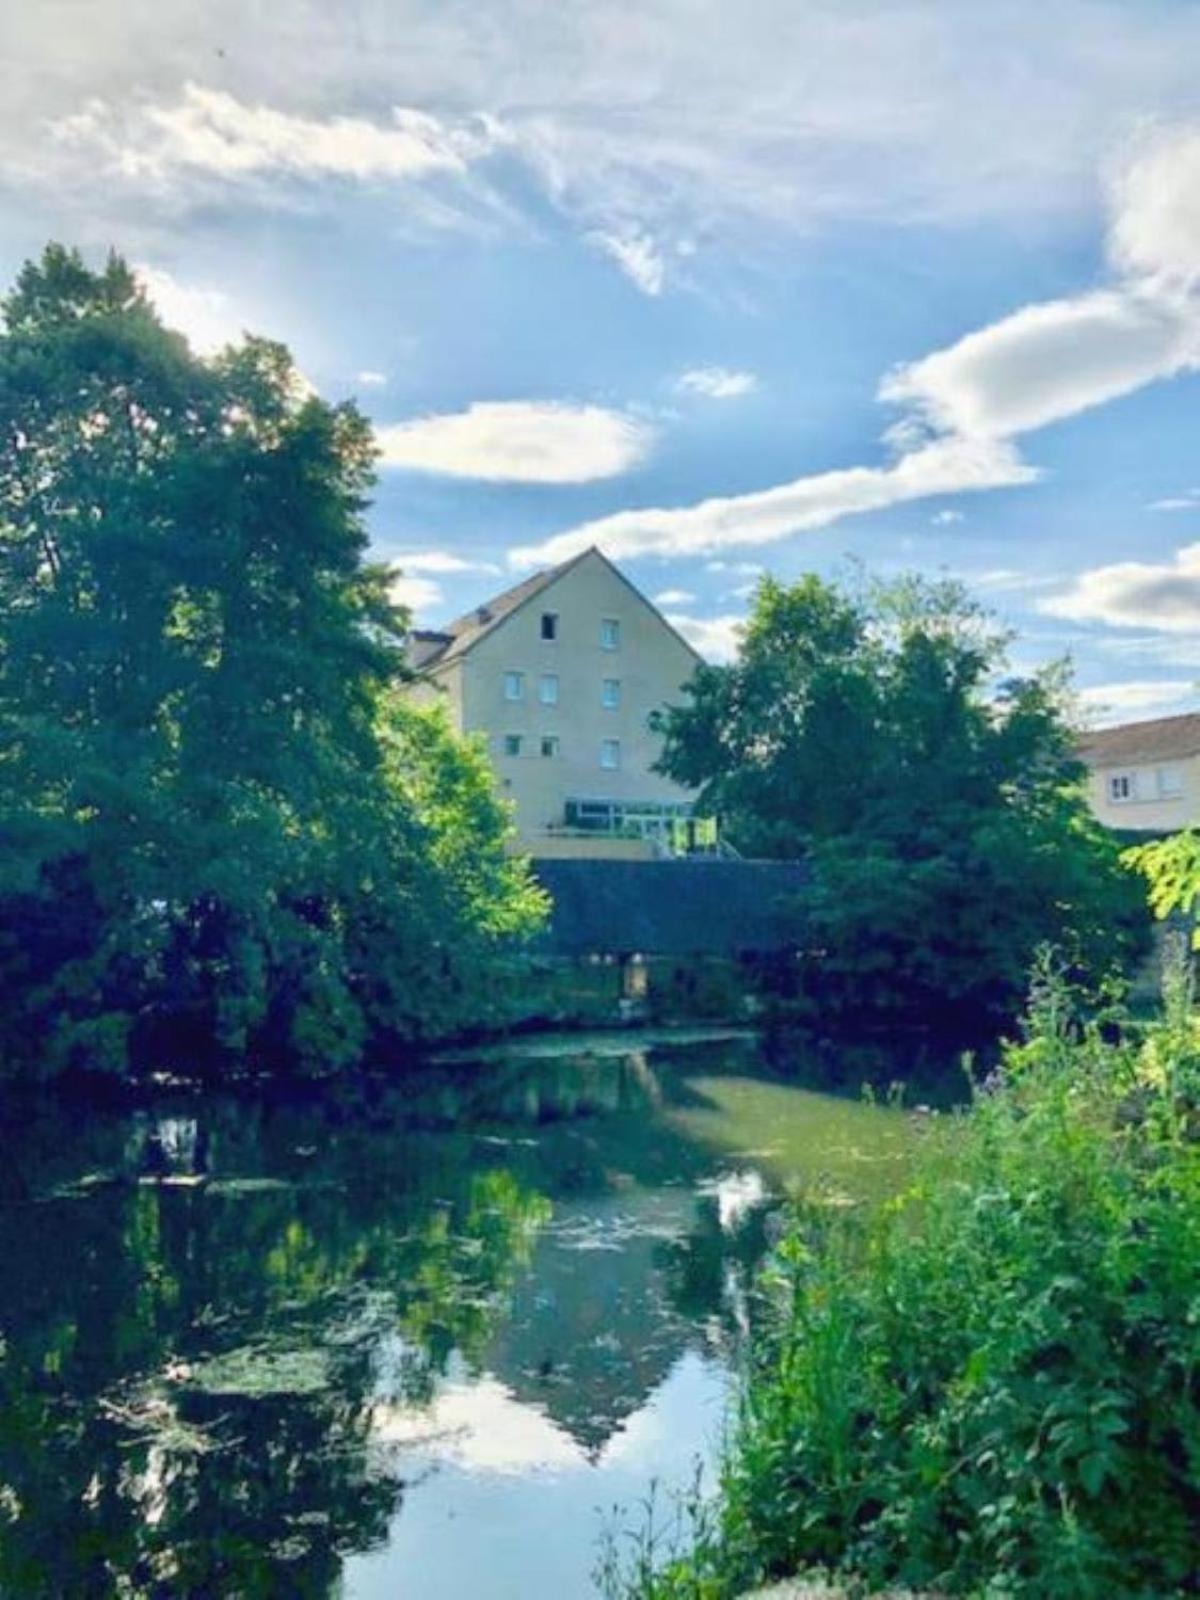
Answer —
988 1384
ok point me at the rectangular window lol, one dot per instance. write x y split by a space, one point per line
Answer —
549 625
610 753
512 744
1170 783
610 693
549 745
548 689
1121 787
514 686
610 634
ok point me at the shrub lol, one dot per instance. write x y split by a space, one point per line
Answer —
992 1384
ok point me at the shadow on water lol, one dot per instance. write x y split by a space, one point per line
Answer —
383 1337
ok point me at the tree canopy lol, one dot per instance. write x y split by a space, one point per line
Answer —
222 830
876 732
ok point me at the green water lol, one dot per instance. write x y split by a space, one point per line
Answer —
409 1341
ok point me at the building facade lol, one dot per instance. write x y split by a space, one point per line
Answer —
561 674
1144 777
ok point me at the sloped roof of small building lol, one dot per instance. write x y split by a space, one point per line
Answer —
464 633
696 906
1133 743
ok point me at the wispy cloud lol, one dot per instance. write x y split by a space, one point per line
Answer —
371 380
210 132
204 315
1178 502
1163 597
716 383
442 562
943 466
674 597
638 256
964 407
944 519
418 594
519 441
1110 702
716 638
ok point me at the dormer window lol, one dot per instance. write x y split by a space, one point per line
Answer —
550 625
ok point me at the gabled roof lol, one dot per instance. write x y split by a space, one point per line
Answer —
465 632
1133 743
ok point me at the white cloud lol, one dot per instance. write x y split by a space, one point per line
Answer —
944 519
963 408
442 562
943 466
674 597
205 316
208 131
638 257
716 638
418 594
1135 594
371 380
1110 702
717 383
1047 362
519 441
1156 227
1178 502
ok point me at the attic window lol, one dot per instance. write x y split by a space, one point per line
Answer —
549 625
610 634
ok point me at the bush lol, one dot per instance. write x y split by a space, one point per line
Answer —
992 1384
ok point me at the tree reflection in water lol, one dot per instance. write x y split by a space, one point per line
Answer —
217 1316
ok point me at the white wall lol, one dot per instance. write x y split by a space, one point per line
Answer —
651 664
1150 809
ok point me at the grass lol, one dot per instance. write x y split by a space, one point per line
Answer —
991 1384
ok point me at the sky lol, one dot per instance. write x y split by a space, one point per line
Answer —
778 286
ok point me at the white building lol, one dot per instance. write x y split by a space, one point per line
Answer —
561 674
1145 776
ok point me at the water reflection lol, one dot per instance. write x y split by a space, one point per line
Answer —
385 1339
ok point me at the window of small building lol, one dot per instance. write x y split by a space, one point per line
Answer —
512 744
610 693
549 745
1170 782
514 685
549 624
610 633
548 689
610 753
1122 786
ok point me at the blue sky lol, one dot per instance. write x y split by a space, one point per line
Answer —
720 288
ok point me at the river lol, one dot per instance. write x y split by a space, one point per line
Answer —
423 1339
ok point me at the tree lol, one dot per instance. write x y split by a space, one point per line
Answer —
204 801
875 734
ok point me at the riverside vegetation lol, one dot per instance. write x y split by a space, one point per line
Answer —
988 1386
225 838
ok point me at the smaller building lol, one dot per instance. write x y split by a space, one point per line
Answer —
1144 777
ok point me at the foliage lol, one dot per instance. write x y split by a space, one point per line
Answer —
220 835
1172 869
938 801
990 1384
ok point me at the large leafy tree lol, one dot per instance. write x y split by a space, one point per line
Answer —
215 817
875 732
